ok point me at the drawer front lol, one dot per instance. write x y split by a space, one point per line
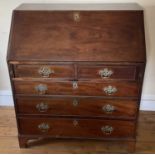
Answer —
44 71
67 106
84 128
120 88
105 71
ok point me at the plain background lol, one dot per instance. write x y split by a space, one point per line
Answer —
6 7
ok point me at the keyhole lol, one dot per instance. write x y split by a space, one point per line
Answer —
76 16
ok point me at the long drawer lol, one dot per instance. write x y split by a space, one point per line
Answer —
76 106
84 128
121 88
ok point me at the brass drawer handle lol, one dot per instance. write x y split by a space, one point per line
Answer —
75 84
76 16
44 127
107 129
75 102
45 71
110 90
42 107
105 73
108 109
41 89
75 123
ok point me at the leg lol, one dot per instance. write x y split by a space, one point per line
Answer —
22 141
131 146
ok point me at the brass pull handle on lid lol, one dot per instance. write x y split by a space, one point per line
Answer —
76 16
75 84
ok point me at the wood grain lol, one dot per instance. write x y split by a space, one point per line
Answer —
32 71
71 128
114 36
87 88
77 107
118 72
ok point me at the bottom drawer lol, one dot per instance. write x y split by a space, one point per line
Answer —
80 128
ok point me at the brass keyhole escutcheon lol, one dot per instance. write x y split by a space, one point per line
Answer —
75 123
76 16
75 102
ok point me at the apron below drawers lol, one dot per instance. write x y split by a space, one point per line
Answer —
77 106
86 88
84 128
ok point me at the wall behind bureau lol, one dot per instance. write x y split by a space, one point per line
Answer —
6 7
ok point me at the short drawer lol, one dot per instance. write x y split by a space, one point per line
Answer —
44 71
107 71
82 128
76 106
121 88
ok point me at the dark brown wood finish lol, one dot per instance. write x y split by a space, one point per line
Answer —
59 38
93 72
124 89
32 71
76 106
64 63
85 128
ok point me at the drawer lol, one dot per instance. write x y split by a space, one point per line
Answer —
84 128
121 88
44 71
76 106
107 71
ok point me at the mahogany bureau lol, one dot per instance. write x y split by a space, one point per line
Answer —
77 70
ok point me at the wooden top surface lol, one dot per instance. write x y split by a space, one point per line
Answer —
104 36
77 6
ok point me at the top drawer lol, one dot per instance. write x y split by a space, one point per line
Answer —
44 71
107 72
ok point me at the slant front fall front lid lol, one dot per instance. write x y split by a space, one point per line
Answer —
51 34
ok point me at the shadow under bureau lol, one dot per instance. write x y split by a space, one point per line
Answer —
77 70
